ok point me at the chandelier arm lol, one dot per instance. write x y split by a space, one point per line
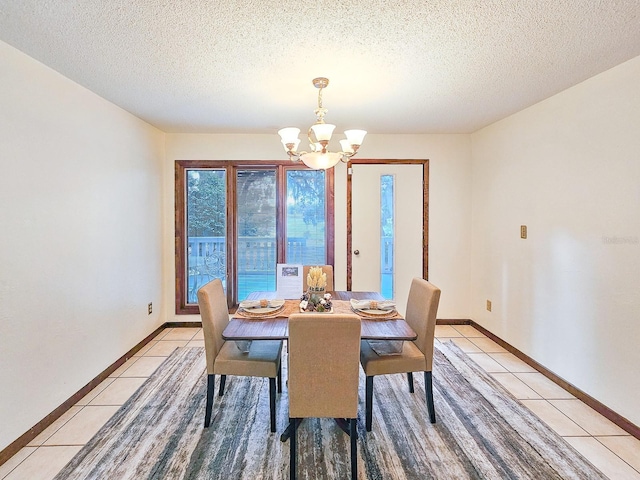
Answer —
295 156
312 139
346 157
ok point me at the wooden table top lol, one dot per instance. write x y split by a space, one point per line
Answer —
278 328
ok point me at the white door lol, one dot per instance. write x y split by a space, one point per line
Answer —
372 254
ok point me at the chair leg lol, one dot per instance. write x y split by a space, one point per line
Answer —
223 380
353 433
368 402
428 387
272 403
210 387
280 379
292 448
410 379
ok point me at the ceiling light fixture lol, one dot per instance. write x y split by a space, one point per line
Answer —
319 135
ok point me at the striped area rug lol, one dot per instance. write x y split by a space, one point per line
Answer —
482 432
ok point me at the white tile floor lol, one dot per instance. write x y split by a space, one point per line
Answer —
608 447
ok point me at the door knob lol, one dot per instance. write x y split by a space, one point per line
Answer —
356 252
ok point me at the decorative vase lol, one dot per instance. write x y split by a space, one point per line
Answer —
316 294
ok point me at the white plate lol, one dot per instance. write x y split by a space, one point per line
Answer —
274 305
261 311
371 311
377 313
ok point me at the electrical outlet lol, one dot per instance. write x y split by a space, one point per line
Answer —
523 231
489 305
150 308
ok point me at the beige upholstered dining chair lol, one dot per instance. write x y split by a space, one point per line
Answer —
225 358
323 373
328 269
422 307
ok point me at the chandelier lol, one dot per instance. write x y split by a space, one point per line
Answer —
319 135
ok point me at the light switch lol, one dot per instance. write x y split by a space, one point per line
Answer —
523 231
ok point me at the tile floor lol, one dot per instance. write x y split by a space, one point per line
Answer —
607 446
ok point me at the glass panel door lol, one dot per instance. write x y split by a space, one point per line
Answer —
256 231
206 229
306 217
236 221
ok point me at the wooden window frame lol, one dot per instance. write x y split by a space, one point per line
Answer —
281 167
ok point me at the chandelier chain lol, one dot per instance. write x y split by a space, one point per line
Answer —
320 111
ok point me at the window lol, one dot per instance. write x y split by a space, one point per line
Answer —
206 227
306 217
256 243
387 236
237 220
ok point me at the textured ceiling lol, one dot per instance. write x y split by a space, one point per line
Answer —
403 66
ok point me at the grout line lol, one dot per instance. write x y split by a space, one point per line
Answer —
632 467
20 462
57 429
589 435
35 448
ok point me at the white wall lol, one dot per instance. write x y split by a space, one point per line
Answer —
80 238
449 199
85 203
569 295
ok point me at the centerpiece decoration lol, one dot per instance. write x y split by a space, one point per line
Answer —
315 299
316 303
316 280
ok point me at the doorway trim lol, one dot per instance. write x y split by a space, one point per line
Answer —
425 210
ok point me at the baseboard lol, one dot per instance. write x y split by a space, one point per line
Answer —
453 321
24 439
599 407
38 428
197 324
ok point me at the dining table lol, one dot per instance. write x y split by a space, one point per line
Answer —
388 327
241 327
